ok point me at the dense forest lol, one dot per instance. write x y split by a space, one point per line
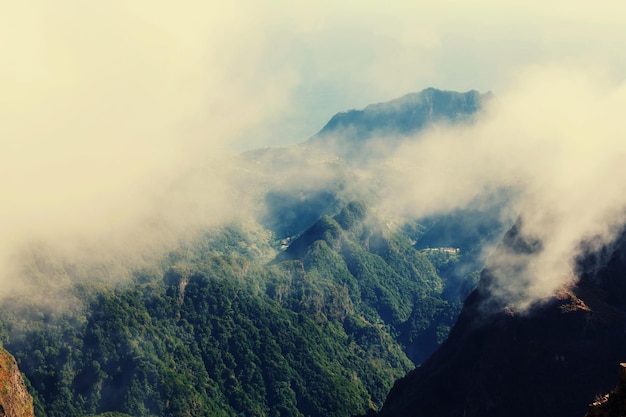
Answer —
323 328
312 306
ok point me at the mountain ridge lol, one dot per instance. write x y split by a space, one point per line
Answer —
409 113
551 360
311 308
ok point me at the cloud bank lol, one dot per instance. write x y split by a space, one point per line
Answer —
119 118
557 136
116 120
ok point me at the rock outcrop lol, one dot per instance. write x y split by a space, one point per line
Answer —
15 401
550 361
613 404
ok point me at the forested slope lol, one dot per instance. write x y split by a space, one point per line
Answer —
312 304
324 329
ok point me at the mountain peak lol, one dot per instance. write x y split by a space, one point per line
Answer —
409 113
613 404
357 135
551 360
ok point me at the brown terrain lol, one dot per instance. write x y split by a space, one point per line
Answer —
15 401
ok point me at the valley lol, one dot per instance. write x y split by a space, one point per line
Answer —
312 308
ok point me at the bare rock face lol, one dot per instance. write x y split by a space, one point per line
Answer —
15 401
613 404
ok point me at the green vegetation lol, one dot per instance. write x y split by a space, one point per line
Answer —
215 330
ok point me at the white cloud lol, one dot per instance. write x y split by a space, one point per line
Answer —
106 105
557 135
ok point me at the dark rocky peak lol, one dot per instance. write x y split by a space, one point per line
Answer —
613 404
551 360
606 269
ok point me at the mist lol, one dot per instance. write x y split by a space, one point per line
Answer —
116 127
121 122
555 136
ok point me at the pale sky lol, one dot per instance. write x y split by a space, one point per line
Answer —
348 56
282 69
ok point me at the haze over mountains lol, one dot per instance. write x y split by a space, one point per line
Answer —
376 131
148 268
328 249
219 324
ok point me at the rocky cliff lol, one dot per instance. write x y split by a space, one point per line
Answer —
613 404
15 401
551 361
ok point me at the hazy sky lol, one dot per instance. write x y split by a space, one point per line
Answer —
278 70
357 53
107 106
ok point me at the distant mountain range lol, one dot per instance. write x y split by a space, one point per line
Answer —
350 133
313 307
407 114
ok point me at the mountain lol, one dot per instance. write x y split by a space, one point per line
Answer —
407 114
387 280
15 401
614 403
323 329
302 183
552 360
314 306
360 135
299 184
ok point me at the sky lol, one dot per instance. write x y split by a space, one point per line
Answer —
281 70
107 107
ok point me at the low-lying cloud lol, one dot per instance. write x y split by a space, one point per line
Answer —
119 118
116 124
556 135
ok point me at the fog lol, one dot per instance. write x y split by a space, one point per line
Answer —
121 121
115 130
556 136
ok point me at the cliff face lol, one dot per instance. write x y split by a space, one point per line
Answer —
15 401
553 360
613 404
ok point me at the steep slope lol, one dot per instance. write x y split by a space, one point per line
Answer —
201 342
361 135
15 401
407 114
349 305
319 331
386 279
550 361
301 183
614 403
